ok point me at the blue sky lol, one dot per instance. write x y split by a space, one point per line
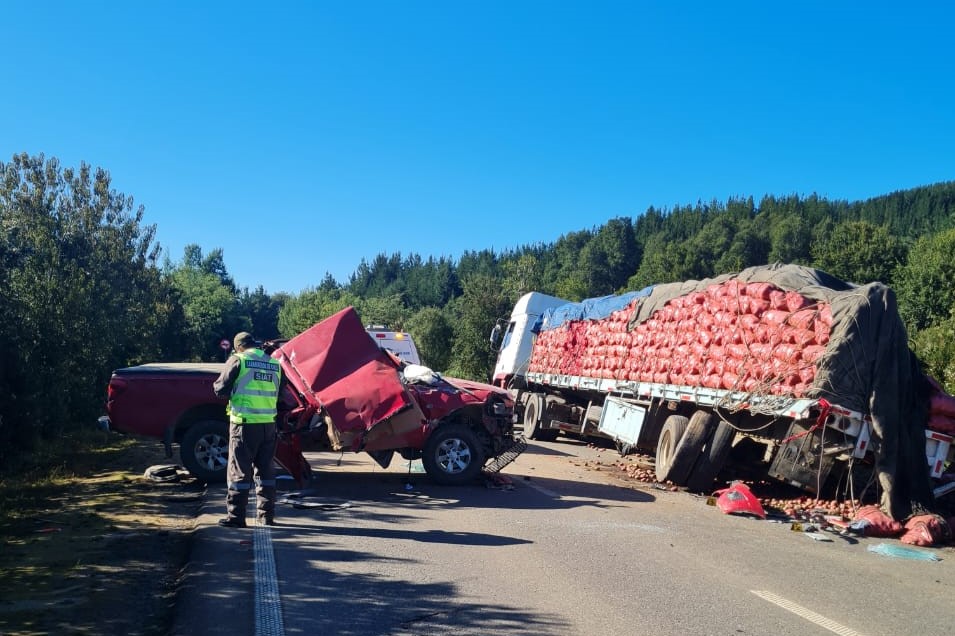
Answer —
332 132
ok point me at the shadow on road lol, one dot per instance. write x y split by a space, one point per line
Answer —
327 599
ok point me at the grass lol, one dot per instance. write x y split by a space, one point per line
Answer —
88 544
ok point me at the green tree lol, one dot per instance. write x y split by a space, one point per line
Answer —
521 275
790 239
389 311
935 347
210 307
262 310
300 312
80 295
433 335
475 313
859 251
925 285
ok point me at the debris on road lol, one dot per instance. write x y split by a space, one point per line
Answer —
903 552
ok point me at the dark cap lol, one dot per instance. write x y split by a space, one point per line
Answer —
243 340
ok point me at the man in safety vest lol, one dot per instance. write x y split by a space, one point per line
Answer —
251 379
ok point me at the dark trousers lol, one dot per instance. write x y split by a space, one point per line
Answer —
251 453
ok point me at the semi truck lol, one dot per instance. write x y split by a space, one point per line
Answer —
781 371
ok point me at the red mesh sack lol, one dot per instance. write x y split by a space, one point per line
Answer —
878 523
757 306
926 530
759 290
796 301
812 353
803 319
775 317
777 299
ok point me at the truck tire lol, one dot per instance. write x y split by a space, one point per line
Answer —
453 455
712 459
546 434
533 410
670 435
204 450
688 449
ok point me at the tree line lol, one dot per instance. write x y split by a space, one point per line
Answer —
85 288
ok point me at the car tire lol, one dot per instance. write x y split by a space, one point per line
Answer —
204 450
453 455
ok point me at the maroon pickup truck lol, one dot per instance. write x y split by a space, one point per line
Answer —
340 392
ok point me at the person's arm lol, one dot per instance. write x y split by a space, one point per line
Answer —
223 384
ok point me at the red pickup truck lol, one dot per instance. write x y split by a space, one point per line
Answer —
340 392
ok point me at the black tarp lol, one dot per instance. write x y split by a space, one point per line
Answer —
867 367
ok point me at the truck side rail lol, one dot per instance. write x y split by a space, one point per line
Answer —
850 422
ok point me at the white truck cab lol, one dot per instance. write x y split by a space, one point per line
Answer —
514 352
398 342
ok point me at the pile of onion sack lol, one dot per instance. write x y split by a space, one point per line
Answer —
750 337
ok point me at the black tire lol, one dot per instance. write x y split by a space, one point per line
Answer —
688 450
712 459
670 435
453 455
533 411
204 450
546 434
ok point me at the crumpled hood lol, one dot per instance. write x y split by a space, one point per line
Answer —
336 365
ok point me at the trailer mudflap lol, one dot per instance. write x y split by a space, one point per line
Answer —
622 421
799 461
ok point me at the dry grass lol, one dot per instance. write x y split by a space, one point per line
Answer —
90 546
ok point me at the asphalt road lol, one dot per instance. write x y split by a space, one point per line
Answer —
567 550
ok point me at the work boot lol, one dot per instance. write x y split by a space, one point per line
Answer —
231 522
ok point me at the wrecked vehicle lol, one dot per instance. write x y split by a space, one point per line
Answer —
783 371
340 392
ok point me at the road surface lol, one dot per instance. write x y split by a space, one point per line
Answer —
567 550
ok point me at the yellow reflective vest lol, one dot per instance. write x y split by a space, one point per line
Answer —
256 389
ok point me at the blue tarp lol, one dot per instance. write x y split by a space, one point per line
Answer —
589 309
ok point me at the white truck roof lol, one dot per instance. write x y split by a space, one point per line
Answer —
398 342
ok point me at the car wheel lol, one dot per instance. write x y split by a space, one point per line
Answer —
204 450
453 455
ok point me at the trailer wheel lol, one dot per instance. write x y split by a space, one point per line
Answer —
204 450
532 419
673 429
712 458
453 455
532 409
689 447
546 434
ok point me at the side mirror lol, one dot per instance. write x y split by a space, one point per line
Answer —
495 334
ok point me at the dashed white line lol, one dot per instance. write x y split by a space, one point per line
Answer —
808 614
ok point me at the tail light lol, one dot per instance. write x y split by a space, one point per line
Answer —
116 386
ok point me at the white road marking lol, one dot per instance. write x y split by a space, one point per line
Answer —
808 614
268 603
